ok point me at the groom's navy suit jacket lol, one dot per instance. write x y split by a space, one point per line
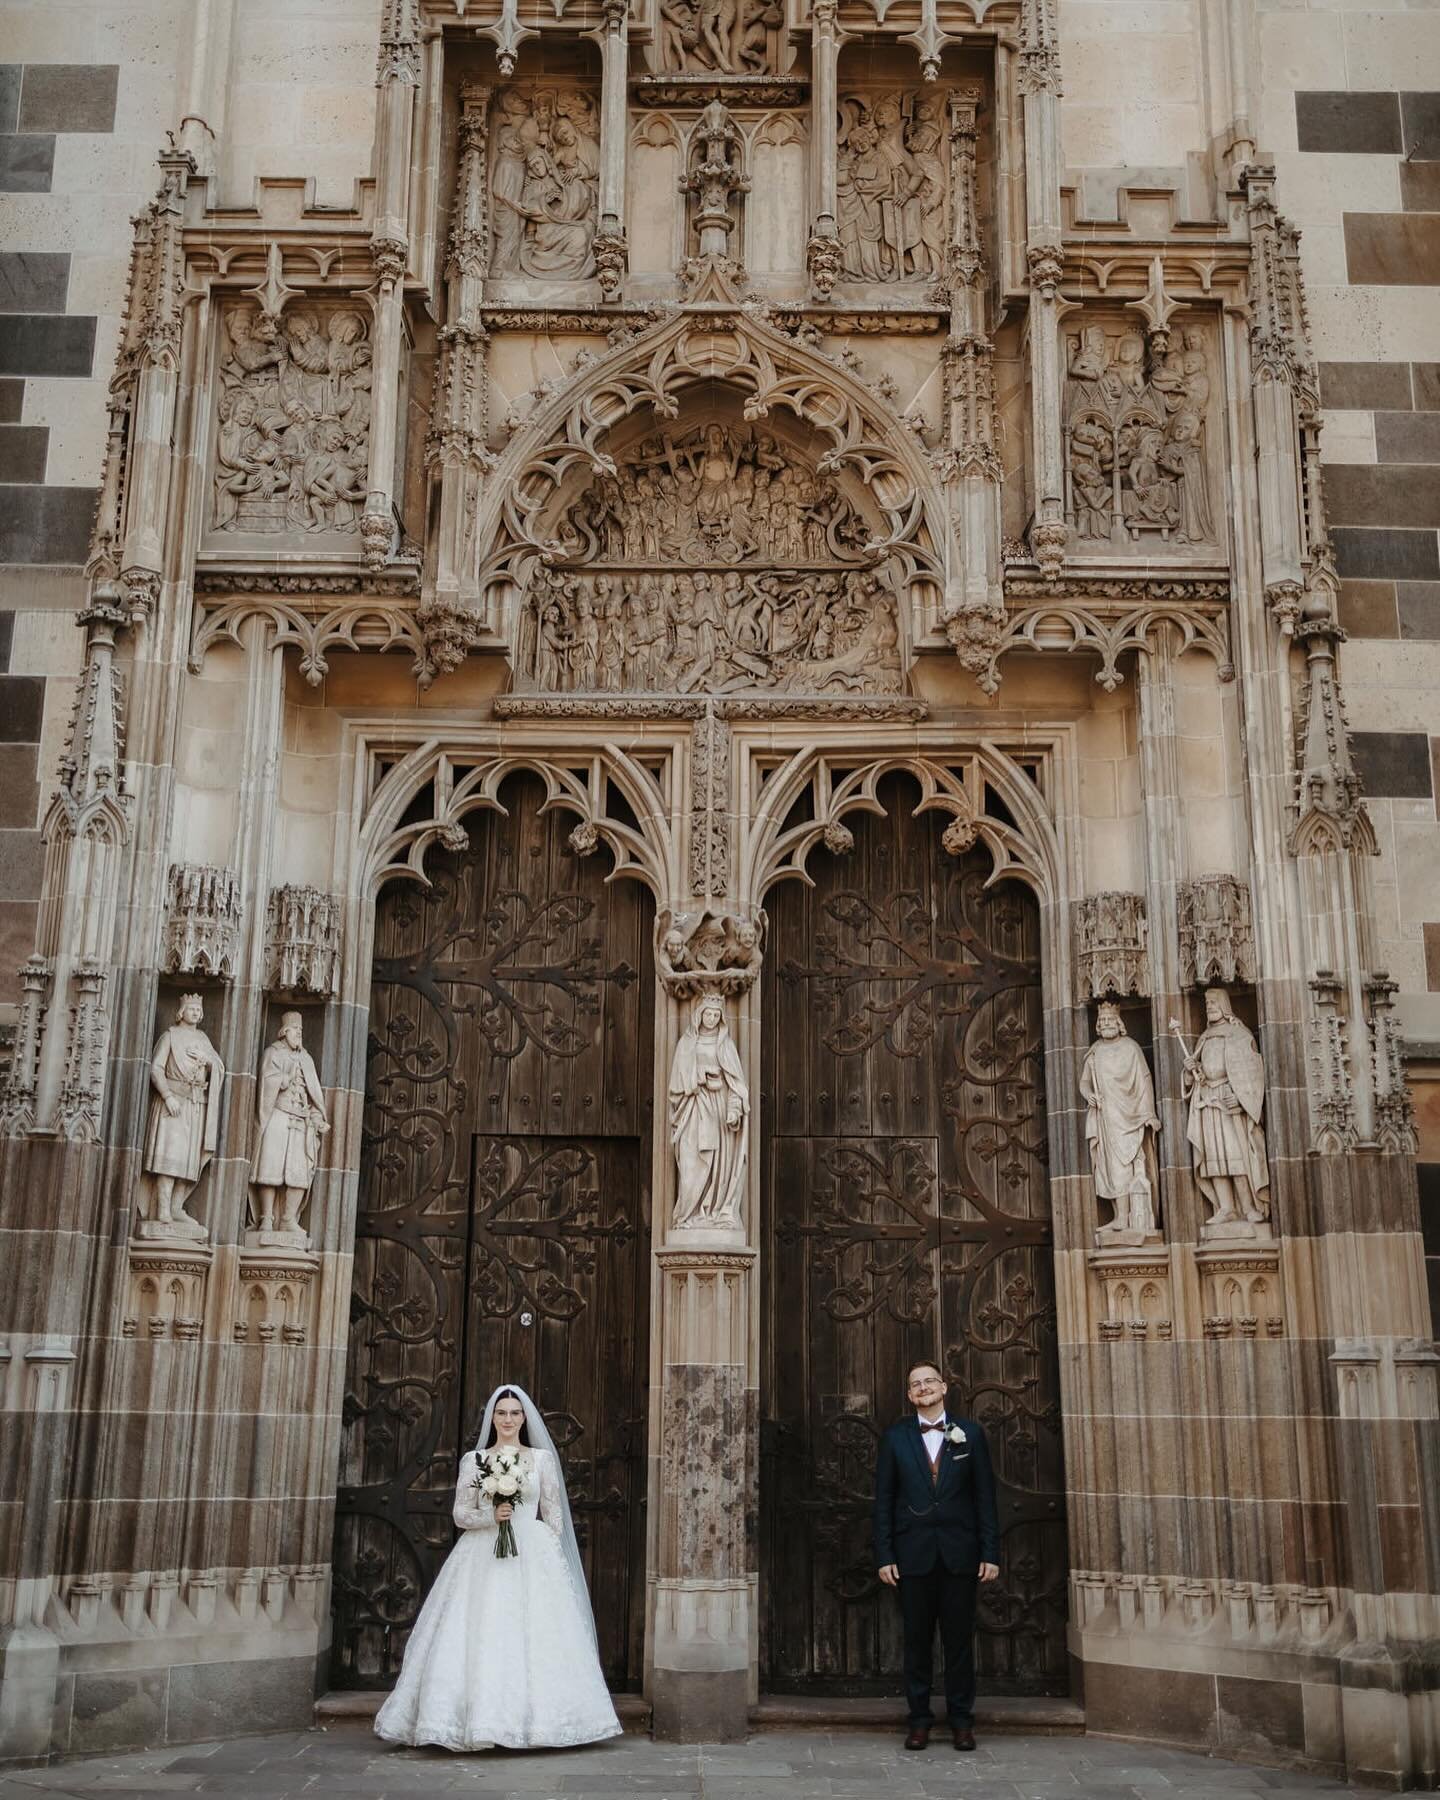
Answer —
950 1520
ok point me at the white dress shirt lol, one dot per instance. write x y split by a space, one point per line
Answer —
933 1433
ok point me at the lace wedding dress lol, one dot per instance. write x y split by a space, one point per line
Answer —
503 1651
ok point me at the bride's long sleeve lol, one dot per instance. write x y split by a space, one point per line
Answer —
472 1511
551 1511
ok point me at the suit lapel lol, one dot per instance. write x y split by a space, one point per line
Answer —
917 1447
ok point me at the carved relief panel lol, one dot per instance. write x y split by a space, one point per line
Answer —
725 37
891 185
1142 438
291 443
544 183
712 559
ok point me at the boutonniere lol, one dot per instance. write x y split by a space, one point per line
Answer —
955 1435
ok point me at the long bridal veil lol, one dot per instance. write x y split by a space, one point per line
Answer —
540 1439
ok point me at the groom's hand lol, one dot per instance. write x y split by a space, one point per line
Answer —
890 1574
989 1571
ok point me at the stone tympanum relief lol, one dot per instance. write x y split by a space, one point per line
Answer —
544 184
713 495
712 632
1120 1126
183 1129
710 561
890 186
291 1120
292 439
709 1122
724 37
1136 439
1225 1080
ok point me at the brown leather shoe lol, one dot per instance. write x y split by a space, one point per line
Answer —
964 1738
918 1738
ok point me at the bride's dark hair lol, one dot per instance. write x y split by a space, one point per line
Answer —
506 1394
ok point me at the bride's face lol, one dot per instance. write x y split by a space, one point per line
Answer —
509 1417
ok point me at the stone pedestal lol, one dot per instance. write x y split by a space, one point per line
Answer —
701 1640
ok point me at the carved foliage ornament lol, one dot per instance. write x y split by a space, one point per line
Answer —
544 184
1136 439
292 433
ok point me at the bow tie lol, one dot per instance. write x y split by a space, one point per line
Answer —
938 1425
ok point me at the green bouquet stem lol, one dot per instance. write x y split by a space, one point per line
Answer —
505 1544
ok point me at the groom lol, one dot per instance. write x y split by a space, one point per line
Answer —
937 1535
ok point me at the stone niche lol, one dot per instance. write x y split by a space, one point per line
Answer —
1143 438
717 557
543 185
290 436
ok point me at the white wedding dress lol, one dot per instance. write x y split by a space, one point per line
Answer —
503 1651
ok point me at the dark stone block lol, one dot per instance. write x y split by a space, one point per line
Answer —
1432 982
1367 609
118 1712
40 344
1151 1703
1425 378
17 939
1420 122
1394 765
1420 186
1265 1715
1396 494
1386 555
27 164
69 96
1393 249
1351 124
22 858
23 450
46 525
1363 386
7 638
22 705
19 786
12 400
33 281
1408 437
9 96
1418 604
700 1706
207 1698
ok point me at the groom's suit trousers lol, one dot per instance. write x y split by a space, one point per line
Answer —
948 1601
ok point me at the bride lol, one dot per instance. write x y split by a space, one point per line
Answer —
503 1651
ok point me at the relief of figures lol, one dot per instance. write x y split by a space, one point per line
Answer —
728 37
712 632
544 184
293 444
890 187
1135 438
714 495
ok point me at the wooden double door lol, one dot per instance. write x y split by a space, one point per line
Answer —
906 1216
503 1230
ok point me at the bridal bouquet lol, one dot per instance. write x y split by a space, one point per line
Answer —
500 1477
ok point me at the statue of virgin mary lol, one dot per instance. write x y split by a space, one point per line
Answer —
709 1120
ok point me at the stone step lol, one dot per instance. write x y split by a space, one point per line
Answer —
997 1712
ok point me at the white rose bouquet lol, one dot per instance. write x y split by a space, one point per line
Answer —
500 1477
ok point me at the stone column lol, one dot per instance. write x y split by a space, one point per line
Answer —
822 253
397 79
1039 80
610 245
700 1676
